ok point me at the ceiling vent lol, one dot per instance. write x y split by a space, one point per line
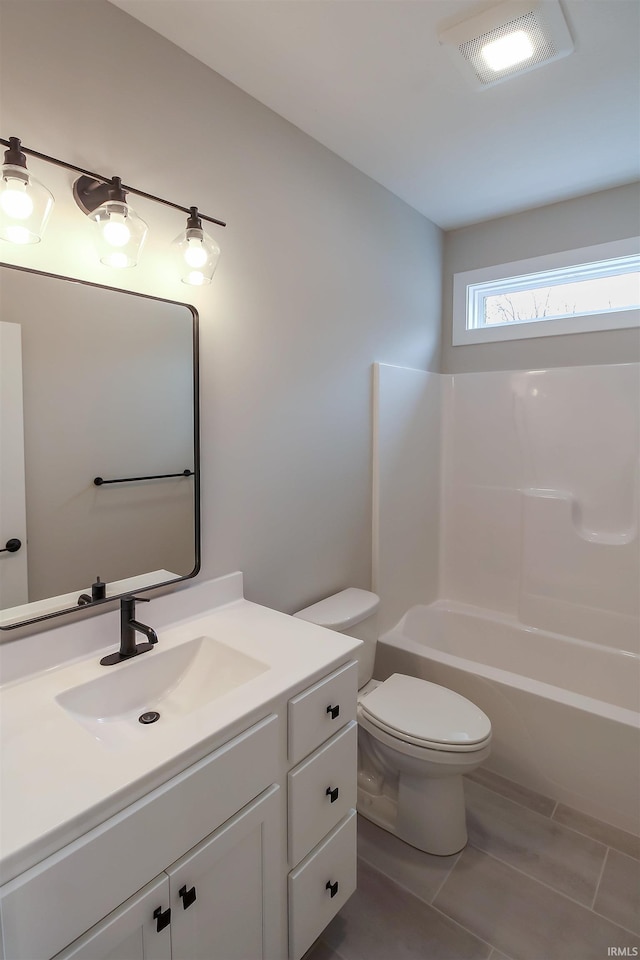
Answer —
509 39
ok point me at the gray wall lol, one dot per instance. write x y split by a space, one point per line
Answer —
322 273
597 218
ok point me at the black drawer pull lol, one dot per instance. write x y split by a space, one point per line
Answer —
332 793
332 888
164 919
188 896
334 711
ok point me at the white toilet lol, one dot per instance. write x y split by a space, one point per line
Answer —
415 738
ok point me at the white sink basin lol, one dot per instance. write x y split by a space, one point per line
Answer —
172 682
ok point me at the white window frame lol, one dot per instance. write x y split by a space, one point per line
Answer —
540 327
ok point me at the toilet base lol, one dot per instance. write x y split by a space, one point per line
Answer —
432 813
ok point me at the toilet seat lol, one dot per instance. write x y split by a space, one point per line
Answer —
426 715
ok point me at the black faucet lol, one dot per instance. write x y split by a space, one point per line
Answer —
128 626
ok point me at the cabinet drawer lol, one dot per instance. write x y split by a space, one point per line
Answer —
320 886
322 789
321 710
135 844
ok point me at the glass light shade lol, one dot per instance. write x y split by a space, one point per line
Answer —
197 254
119 233
25 205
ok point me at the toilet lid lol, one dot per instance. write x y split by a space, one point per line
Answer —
422 711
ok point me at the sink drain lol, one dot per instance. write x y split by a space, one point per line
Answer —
149 717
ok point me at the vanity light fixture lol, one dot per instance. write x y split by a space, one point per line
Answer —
25 203
511 38
198 253
119 231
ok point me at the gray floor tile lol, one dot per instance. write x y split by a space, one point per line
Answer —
522 917
383 922
321 951
619 891
604 832
420 873
538 846
496 955
514 791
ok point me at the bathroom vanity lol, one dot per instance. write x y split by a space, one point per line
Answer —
226 829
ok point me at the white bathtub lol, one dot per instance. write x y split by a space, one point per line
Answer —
564 712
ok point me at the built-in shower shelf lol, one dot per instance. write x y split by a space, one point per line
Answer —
610 538
566 574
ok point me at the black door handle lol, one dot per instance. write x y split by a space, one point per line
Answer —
11 546
332 793
334 711
188 896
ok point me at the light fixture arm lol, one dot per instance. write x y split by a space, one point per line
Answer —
94 186
90 194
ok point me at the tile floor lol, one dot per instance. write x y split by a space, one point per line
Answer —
537 881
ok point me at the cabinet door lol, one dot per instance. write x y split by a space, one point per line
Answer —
130 932
226 894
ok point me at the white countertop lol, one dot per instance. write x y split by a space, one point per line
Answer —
58 781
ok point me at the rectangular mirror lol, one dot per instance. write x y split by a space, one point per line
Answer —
94 383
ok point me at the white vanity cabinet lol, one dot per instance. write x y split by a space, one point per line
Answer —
219 821
246 854
192 910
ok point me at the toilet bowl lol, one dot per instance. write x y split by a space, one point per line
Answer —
416 739
420 738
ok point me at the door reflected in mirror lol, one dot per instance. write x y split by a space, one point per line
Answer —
94 383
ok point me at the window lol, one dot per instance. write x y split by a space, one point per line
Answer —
595 288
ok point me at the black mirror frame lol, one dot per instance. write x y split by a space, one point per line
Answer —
196 449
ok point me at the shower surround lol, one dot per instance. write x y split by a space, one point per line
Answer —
514 495
540 498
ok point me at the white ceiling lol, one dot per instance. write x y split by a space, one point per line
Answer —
368 79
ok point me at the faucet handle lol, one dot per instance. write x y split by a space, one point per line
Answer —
142 599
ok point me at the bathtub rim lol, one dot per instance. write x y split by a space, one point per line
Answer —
397 638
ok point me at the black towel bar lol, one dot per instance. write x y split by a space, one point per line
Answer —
99 481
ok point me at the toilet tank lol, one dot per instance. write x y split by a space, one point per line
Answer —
353 612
